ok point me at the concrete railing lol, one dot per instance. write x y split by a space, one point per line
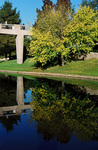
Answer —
15 29
5 26
13 26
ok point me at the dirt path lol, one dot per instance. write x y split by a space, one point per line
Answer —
58 75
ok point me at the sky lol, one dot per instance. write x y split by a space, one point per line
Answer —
27 8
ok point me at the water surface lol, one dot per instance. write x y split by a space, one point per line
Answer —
46 114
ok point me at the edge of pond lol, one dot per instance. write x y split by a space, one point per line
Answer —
44 74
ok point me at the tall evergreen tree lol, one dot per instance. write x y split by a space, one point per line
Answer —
63 3
8 14
91 3
7 42
46 6
46 3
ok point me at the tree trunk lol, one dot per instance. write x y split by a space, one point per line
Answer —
9 55
63 60
5 56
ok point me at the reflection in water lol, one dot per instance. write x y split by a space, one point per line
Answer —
12 102
7 91
9 122
20 91
16 109
60 110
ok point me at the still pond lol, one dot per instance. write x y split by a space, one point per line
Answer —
48 114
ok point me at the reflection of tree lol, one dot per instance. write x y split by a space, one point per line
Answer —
7 91
8 123
63 115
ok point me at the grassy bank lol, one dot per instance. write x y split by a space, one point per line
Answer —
87 67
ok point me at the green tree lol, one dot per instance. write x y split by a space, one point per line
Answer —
91 3
8 14
50 25
7 42
7 45
63 112
94 5
27 41
47 3
61 34
81 32
9 123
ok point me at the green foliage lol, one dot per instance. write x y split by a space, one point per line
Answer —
9 123
49 28
63 113
94 5
8 14
52 19
67 36
82 31
27 41
43 47
7 42
46 6
91 3
63 6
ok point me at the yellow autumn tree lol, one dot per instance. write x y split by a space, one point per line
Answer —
56 112
58 36
82 31
43 47
49 32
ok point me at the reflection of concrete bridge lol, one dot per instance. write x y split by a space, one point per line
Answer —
16 30
16 110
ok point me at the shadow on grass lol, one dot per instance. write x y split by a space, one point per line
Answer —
1 61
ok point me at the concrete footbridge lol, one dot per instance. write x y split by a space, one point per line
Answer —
20 31
21 106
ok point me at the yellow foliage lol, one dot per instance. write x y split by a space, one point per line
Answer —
55 35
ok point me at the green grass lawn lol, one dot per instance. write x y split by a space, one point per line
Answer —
87 67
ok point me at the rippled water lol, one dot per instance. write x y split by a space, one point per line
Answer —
46 114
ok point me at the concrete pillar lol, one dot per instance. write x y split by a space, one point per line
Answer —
20 91
19 48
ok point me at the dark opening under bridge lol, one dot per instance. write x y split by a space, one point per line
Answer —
14 29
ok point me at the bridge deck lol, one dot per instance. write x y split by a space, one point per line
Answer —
13 30
17 109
